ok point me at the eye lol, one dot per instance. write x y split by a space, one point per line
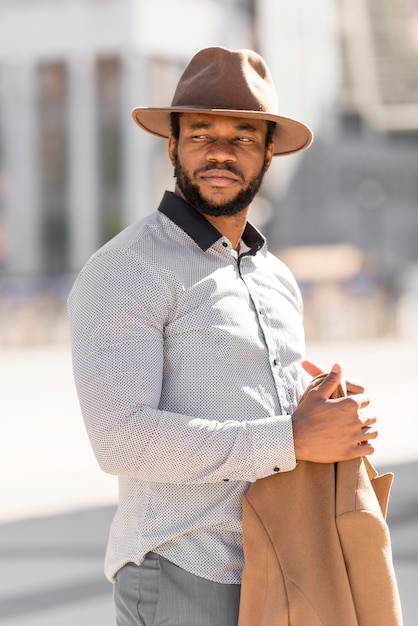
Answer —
244 139
200 137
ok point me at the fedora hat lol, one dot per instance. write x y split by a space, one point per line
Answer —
236 83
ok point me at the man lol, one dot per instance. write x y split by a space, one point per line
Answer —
188 347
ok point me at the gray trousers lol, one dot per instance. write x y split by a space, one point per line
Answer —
159 593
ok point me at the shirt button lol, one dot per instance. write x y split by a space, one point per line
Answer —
275 362
226 480
225 245
276 469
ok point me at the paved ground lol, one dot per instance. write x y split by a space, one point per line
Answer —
56 505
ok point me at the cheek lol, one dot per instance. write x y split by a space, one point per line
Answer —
257 169
190 162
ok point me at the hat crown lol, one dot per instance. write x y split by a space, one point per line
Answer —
235 83
218 78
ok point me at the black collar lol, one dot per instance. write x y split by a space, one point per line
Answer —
198 228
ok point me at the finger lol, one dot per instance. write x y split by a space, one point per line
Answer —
364 448
367 418
361 400
327 387
368 433
354 386
312 368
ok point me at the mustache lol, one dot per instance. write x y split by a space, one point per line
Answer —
224 166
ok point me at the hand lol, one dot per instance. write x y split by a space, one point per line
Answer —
353 386
326 431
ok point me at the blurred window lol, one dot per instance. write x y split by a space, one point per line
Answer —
53 180
3 237
109 137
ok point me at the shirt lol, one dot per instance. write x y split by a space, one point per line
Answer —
187 367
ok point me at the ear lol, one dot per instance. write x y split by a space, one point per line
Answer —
268 156
172 149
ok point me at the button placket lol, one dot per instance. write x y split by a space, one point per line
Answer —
275 363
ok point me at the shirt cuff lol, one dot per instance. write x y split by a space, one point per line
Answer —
272 443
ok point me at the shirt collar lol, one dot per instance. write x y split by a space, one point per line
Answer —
198 228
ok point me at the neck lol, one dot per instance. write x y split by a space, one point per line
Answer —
230 227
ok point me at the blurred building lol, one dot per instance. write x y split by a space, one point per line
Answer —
358 183
74 169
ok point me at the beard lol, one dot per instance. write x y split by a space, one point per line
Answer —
216 209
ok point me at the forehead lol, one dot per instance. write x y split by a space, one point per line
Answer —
224 122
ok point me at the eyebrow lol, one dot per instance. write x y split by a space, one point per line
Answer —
207 125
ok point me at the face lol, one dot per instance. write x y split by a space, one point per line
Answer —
219 161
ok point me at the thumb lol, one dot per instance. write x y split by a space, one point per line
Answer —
331 382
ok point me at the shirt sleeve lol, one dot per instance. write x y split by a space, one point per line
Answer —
117 328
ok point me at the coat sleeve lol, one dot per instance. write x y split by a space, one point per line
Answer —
366 545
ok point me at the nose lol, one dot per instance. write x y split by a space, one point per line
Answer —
221 151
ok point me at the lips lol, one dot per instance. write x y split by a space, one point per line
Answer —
219 177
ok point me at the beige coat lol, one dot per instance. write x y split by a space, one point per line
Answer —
317 548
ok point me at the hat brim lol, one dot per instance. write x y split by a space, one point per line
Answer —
289 137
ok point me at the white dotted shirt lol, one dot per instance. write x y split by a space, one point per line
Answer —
187 367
